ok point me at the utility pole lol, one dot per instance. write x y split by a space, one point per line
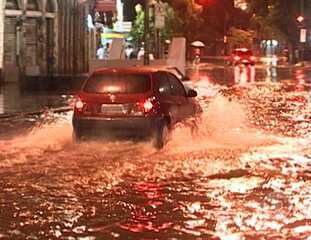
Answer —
146 33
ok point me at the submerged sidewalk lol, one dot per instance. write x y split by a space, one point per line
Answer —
16 102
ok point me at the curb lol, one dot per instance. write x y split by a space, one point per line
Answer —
7 116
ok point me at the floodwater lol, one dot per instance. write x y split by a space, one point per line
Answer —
14 100
246 175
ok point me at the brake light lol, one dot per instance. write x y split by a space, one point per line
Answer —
236 58
252 58
144 107
148 105
79 104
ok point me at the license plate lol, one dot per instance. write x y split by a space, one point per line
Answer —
113 109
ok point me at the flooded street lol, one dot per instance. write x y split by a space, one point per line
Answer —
245 175
14 100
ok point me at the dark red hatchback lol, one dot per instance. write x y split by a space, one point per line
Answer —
132 102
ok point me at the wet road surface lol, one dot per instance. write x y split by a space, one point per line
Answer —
246 175
14 100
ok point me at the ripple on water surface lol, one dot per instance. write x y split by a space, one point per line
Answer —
233 180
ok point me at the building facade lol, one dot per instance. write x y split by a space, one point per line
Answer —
1 36
26 44
42 38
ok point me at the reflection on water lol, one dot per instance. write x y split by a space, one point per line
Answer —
9 97
238 179
13 99
271 74
245 175
244 74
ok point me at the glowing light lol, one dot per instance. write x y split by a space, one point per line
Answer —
300 18
111 89
236 58
79 104
148 106
242 4
194 207
244 49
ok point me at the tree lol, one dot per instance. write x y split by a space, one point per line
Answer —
240 37
276 19
209 22
187 21
137 32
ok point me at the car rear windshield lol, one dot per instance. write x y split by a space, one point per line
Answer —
118 83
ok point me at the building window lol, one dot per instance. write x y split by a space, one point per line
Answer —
32 5
11 4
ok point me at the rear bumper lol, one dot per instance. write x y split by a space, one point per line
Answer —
116 127
243 61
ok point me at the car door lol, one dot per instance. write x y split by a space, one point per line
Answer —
185 105
168 102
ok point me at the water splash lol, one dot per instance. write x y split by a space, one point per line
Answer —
223 125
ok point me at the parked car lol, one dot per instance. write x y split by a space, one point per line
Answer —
242 56
132 102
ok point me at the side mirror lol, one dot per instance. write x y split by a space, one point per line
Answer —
192 93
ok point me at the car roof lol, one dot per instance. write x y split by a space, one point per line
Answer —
134 69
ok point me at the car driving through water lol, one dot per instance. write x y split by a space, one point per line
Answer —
144 102
242 56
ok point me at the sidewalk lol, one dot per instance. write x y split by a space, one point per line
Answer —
221 61
6 116
17 103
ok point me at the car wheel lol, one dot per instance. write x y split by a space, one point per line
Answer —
161 136
76 135
194 127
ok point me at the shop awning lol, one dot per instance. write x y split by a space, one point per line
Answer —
106 5
113 35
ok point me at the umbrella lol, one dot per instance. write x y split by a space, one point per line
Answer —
197 44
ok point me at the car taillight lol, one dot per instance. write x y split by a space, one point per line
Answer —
144 107
147 105
79 104
252 58
236 58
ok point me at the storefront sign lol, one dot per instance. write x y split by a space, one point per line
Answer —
303 35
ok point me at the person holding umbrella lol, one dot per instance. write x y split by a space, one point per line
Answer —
197 51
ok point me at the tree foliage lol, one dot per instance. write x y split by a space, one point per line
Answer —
264 19
206 23
137 31
276 19
240 37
